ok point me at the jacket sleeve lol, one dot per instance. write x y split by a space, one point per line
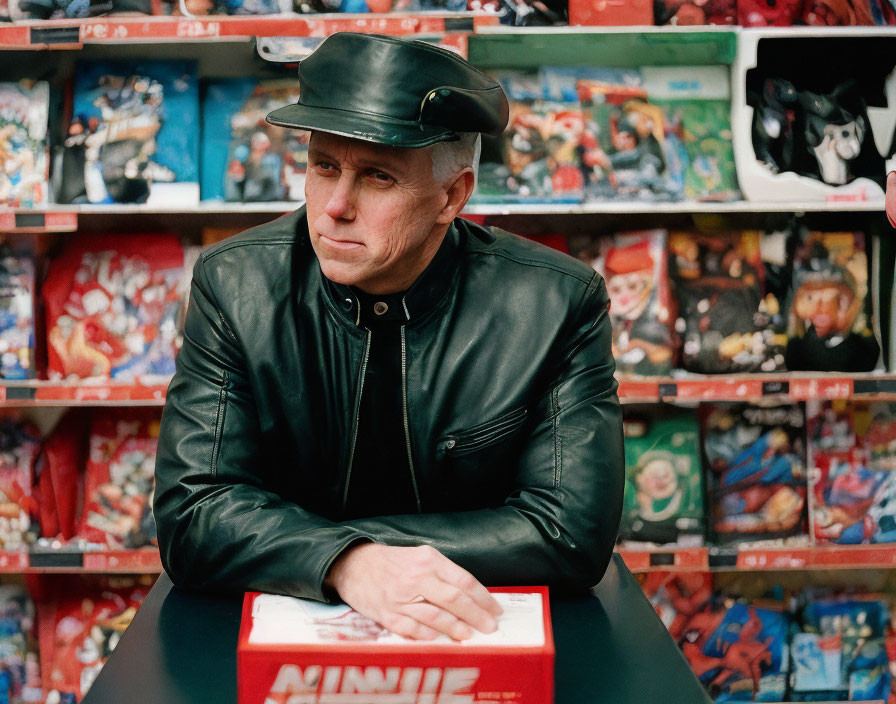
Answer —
559 522
218 527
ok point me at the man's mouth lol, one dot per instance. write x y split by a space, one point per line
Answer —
340 243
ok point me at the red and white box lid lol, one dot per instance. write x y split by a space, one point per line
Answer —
296 651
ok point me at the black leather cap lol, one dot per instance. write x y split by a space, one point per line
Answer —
404 93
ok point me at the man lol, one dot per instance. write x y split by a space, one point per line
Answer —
376 400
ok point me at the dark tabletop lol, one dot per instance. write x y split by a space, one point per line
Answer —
611 647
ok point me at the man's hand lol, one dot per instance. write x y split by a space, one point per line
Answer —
891 197
414 592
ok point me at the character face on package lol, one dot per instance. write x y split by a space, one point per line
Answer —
258 162
768 13
663 492
23 143
123 145
726 321
757 462
829 323
695 12
634 268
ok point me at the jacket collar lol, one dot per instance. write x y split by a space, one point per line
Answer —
423 295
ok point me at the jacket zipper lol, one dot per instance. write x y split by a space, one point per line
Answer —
470 442
351 456
407 428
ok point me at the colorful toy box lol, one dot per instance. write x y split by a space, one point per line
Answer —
299 650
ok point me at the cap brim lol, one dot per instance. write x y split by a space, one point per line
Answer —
370 128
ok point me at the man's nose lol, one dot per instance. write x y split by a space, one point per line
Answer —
341 205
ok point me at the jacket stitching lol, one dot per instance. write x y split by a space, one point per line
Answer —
558 454
244 243
219 424
534 264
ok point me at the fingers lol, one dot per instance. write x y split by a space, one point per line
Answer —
456 575
460 604
409 627
891 197
438 619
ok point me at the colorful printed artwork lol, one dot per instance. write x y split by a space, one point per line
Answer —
24 151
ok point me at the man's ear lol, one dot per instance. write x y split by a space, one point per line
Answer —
458 193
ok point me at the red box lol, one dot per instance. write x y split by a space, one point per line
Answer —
611 13
347 665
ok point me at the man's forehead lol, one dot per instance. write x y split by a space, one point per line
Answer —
335 145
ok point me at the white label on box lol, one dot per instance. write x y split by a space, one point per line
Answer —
284 620
686 83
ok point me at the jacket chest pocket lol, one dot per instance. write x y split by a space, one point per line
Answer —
481 437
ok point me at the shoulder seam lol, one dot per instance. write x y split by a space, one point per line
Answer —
533 263
243 243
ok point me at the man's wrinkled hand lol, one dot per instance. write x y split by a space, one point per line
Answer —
415 592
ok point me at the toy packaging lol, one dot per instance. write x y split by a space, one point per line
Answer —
17 286
119 483
58 473
19 667
840 653
636 274
756 471
19 446
830 319
696 105
678 598
609 14
695 12
853 480
79 629
114 307
295 649
739 652
134 135
253 161
769 13
24 154
726 320
80 9
663 479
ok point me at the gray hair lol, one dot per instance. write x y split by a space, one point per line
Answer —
449 158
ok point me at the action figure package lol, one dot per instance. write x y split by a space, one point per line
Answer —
253 161
629 156
24 152
114 307
302 650
59 480
80 9
679 598
19 515
739 651
694 12
839 652
697 128
538 159
19 668
119 483
830 317
853 479
756 471
611 14
80 628
17 287
634 267
727 321
134 135
663 479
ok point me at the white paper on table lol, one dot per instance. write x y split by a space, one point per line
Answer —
285 620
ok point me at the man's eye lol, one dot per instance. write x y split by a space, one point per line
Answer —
325 166
381 177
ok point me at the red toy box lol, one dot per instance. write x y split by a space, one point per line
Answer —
295 651
611 13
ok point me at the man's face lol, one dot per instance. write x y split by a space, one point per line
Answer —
374 212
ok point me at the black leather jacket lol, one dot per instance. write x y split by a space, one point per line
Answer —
512 424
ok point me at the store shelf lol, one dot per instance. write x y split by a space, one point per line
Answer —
819 557
142 561
34 221
792 386
43 393
69 34
644 207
